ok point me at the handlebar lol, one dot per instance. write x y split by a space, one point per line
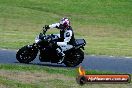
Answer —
44 30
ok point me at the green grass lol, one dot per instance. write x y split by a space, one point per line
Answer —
54 70
105 24
33 76
15 84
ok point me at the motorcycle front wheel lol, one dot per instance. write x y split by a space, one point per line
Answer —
26 54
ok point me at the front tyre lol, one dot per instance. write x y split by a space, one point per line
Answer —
26 54
74 58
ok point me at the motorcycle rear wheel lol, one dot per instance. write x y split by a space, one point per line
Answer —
26 54
75 58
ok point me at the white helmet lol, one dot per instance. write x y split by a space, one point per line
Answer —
65 22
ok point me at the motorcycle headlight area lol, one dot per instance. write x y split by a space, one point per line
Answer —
37 39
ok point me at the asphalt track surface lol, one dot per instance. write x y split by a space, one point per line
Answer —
100 63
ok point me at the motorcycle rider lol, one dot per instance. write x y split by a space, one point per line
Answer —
66 36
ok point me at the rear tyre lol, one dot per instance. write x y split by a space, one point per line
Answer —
26 54
74 58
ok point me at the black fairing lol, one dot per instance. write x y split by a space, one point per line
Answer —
49 55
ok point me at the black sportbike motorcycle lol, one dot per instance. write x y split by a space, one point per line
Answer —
45 45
